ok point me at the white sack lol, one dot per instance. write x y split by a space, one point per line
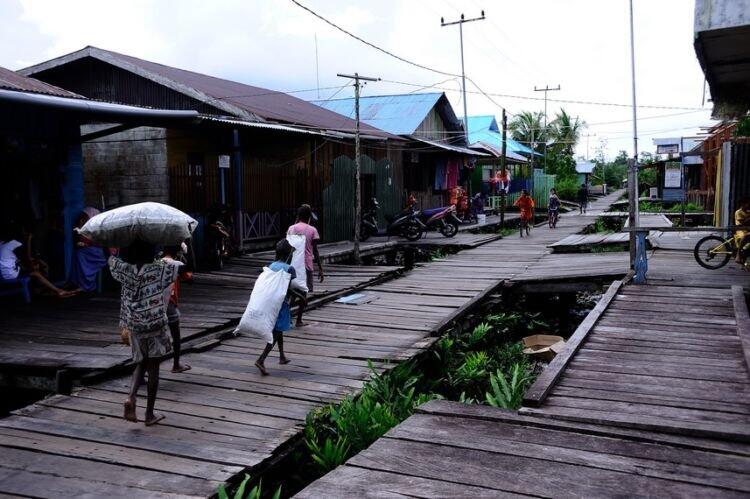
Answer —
154 223
265 302
298 261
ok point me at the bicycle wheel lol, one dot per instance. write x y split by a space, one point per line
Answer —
712 252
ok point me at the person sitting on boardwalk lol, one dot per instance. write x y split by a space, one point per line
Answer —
88 259
176 256
525 203
303 228
143 317
742 237
17 260
284 251
583 198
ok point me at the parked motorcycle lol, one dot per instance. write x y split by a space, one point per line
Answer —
442 219
405 224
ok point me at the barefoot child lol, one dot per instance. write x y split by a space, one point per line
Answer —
176 256
284 252
143 314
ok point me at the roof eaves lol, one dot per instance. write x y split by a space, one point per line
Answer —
111 58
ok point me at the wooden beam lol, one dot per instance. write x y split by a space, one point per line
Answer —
743 322
106 131
536 394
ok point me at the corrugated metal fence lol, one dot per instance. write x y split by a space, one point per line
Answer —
539 187
377 179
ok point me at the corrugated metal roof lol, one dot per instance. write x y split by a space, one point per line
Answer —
498 152
10 80
267 126
584 167
485 129
245 101
396 114
449 147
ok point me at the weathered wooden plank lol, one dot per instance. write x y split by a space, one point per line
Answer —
538 391
743 322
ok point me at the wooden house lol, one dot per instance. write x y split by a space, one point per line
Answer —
435 155
42 160
259 152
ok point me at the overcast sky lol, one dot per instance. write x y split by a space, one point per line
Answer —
582 45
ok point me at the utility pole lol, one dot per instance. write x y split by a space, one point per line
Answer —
587 143
503 163
357 188
633 215
546 89
460 23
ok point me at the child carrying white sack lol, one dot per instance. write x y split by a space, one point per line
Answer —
268 313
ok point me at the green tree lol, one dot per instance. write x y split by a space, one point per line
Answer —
528 124
565 132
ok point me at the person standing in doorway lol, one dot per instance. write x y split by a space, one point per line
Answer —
143 319
583 198
303 228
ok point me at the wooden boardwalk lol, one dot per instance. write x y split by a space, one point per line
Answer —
222 416
450 449
81 334
667 359
649 397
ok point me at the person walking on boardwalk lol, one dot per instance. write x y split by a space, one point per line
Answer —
282 260
175 255
144 284
553 208
525 203
303 228
583 198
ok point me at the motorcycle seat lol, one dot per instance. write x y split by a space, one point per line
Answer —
431 211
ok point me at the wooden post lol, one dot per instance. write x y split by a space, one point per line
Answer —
357 193
632 204
503 163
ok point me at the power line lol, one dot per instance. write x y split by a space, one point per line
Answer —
372 45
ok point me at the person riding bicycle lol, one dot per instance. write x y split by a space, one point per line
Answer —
553 207
526 204
742 237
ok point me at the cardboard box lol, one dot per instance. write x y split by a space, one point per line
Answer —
543 346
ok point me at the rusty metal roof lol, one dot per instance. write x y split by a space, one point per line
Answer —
10 80
236 99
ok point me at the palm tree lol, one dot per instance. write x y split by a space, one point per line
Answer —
565 131
523 124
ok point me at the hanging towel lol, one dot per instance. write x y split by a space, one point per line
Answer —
440 175
451 174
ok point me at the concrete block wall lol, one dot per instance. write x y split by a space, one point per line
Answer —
126 168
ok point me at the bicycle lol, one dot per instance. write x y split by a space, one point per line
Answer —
524 225
554 216
713 252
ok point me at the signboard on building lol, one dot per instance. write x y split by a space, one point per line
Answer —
224 161
672 176
668 149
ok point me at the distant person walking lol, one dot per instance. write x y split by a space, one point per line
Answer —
553 208
282 261
303 228
583 198
143 319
